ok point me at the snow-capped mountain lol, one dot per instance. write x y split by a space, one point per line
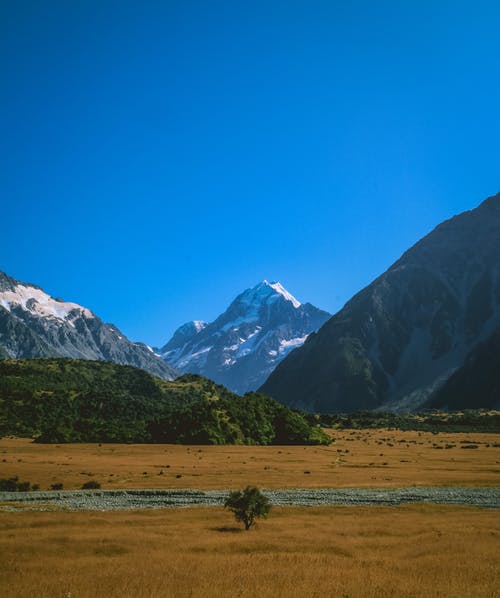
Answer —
33 324
244 344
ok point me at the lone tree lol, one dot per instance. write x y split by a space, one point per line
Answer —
248 504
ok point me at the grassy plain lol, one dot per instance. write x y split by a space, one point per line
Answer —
411 550
359 458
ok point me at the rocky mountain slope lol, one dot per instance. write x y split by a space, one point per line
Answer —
244 344
476 383
34 324
397 341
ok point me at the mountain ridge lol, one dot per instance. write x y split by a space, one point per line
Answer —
244 343
35 325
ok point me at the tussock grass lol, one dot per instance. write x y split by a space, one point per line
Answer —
413 550
357 458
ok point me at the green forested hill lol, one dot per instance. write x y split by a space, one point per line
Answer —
70 400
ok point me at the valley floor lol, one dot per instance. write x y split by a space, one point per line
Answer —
411 550
406 551
357 458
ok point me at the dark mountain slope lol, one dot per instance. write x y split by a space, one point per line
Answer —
476 383
400 338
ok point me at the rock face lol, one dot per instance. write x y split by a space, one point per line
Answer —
476 383
244 344
33 324
396 342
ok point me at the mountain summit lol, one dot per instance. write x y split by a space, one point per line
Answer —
245 343
33 324
397 341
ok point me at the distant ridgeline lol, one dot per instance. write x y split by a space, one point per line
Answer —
70 400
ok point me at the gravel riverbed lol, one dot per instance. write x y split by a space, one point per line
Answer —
116 500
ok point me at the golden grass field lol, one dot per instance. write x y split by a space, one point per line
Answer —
346 552
417 550
357 458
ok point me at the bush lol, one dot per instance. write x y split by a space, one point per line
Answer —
8 484
13 485
57 486
247 505
91 485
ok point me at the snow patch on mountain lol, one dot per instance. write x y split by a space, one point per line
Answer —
284 293
37 302
287 345
197 359
199 325
248 344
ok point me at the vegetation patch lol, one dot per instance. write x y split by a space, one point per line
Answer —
70 400
14 485
470 420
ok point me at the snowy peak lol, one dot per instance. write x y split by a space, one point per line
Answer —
265 301
280 289
266 292
244 344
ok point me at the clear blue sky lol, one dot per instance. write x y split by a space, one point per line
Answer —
156 158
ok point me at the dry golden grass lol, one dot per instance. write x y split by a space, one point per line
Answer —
417 550
357 458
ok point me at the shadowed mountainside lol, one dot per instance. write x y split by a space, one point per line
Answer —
398 340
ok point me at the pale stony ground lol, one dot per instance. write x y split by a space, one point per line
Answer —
112 500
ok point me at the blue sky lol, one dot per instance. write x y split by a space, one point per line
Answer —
159 157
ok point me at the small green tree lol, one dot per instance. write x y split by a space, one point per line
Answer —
248 504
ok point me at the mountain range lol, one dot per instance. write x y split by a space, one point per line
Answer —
424 334
416 335
246 342
33 324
